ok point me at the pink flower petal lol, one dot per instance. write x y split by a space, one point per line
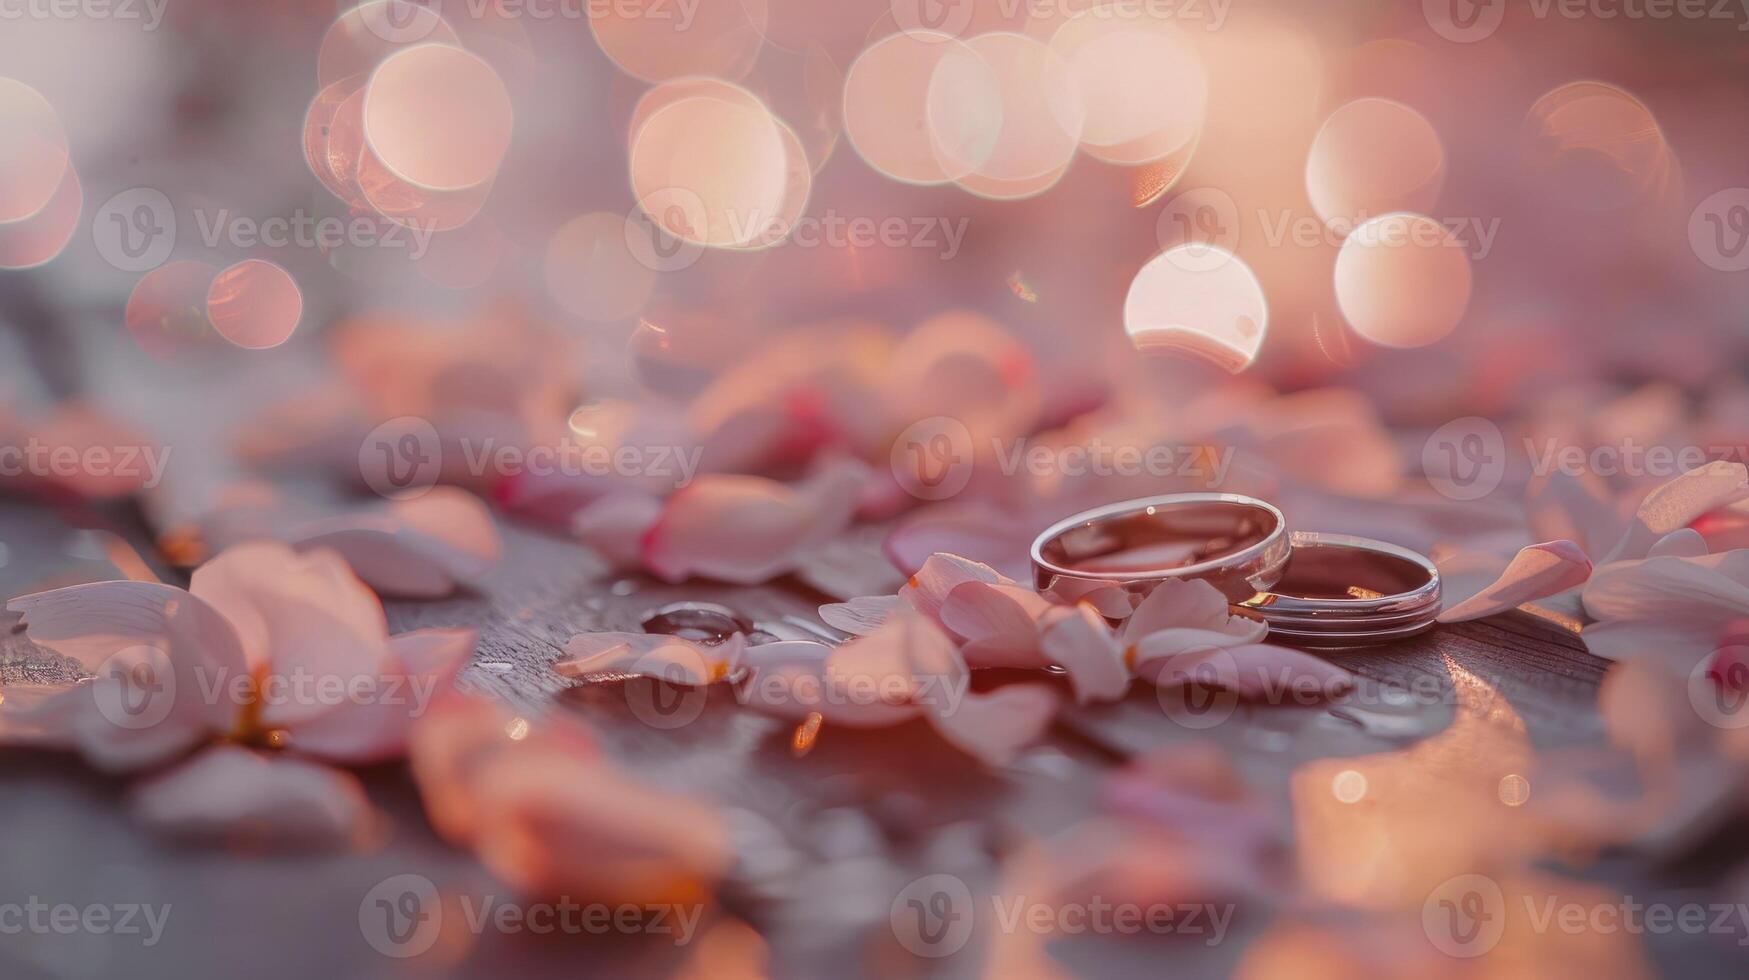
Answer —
1182 603
550 816
999 623
583 829
420 547
979 532
1575 509
1679 503
1537 572
1259 671
1077 640
462 736
83 428
371 725
300 617
747 529
994 727
164 661
1703 587
861 615
792 680
615 525
24 720
659 655
908 659
942 573
90 623
1684 542
228 793
1156 653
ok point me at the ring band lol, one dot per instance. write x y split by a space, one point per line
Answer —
1338 590
1236 543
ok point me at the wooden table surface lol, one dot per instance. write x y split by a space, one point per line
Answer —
842 827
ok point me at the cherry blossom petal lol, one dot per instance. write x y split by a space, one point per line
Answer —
979 532
1668 608
373 726
1566 506
615 525
23 720
1679 503
746 529
1670 587
91 623
132 719
418 547
299 616
994 727
659 655
908 654
157 652
792 680
999 623
1684 542
1257 671
1657 638
1077 640
550 816
229 793
562 826
1186 604
939 575
1155 655
462 736
1537 572
80 429
861 615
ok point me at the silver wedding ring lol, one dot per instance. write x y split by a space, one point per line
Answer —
1339 591
1236 543
1324 590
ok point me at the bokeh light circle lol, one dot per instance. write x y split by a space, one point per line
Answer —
1373 157
34 241
657 40
1208 305
1141 83
1036 100
254 304
711 171
33 151
1594 147
362 37
889 94
438 117
1402 280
